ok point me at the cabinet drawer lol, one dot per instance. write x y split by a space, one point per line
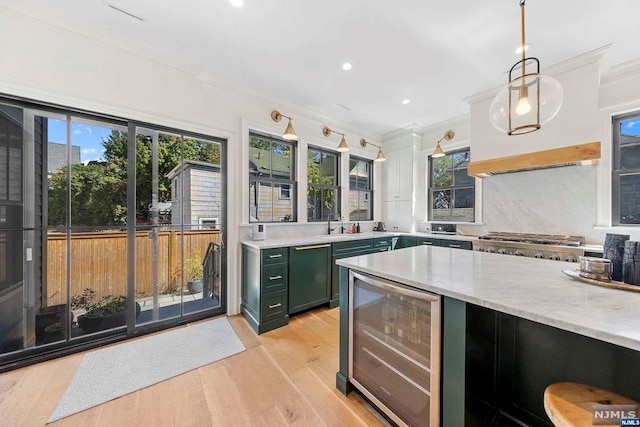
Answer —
428 242
380 243
273 305
275 255
274 278
351 246
460 244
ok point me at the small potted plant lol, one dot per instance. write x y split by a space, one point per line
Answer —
108 312
193 274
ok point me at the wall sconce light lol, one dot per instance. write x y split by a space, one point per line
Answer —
448 136
342 147
289 134
380 157
529 100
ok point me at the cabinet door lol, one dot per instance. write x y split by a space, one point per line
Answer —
309 276
397 175
390 176
404 215
390 216
405 174
398 215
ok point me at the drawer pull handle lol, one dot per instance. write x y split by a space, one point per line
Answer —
275 277
427 243
304 248
384 242
271 306
454 246
275 256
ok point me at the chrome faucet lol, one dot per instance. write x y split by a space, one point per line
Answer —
338 218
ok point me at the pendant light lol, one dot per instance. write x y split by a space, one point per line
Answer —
380 157
289 134
448 136
342 147
529 100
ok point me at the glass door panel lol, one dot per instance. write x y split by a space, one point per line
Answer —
180 214
97 218
200 197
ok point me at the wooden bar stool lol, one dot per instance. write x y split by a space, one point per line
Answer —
570 404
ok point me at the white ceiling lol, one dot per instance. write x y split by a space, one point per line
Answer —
435 53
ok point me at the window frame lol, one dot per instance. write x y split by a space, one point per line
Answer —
292 183
616 171
368 192
451 187
337 188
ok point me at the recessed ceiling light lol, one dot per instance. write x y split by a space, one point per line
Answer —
236 3
346 66
406 101
519 49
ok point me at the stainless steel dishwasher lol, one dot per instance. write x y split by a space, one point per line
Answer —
394 351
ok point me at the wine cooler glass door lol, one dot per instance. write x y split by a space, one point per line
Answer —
395 347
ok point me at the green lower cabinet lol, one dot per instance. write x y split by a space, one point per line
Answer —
309 276
406 242
265 287
345 250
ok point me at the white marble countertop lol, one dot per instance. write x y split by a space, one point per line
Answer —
529 288
279 242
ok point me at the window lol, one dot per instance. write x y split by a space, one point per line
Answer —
626 169
360 205
285 192
451 189
271 179
323 192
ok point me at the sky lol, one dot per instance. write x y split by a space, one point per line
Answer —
88 138
630 127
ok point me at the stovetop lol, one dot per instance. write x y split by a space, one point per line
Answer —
539 239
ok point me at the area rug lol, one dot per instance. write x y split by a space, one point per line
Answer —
106 374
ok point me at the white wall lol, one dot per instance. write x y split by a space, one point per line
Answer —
96 71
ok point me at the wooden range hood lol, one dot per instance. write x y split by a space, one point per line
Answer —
580 154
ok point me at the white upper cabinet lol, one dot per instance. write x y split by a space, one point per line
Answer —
397 174
398 216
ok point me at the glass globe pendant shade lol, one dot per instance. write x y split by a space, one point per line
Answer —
526 103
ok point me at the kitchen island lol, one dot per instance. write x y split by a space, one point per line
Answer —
510 327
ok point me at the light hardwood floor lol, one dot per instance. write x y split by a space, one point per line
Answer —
285 377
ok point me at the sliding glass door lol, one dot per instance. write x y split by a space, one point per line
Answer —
81 259
179 225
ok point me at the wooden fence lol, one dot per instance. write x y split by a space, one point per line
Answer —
99 262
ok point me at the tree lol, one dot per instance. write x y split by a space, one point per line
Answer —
442 176
319 197
98 196
98 192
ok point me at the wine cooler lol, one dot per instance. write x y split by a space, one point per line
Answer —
394 351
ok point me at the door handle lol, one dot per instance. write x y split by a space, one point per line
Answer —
304 248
